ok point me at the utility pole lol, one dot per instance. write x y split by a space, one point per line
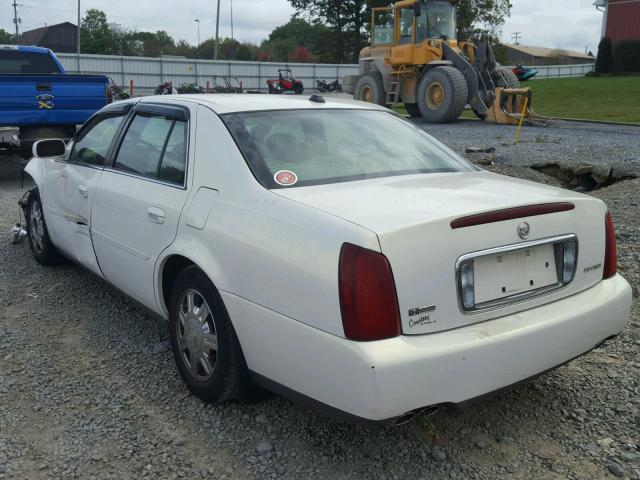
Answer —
16 20
233 45
517 35
215 50
197 20
78 36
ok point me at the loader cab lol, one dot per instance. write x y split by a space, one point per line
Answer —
401 28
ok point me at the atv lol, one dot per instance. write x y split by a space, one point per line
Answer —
525 73
285 82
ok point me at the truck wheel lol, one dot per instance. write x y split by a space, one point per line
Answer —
412 109
507 79
204 343
26 151
41 247
370 88
442 94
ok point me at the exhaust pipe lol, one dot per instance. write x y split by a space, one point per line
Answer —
412 415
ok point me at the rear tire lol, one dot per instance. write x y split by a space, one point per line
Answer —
42 248
204 343
370 88
507 79
442 94
412 110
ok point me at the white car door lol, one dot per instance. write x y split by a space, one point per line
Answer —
69 183
138 200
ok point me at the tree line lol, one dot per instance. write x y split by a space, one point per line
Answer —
321 31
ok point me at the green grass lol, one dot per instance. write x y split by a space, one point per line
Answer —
612 99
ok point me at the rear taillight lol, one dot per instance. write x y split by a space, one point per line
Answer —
108 93
610 249
368 300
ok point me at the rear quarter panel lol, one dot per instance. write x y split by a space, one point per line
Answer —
271 251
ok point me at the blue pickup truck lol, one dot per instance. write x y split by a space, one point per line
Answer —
39 100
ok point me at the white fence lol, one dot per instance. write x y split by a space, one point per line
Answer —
557 71
147 73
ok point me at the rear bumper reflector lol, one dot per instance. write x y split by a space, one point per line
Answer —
511 214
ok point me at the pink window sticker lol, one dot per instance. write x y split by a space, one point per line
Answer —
285 178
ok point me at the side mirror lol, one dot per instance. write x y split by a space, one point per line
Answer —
417 8
49 148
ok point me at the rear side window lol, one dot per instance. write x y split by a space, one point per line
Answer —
154 147
94 141
15 61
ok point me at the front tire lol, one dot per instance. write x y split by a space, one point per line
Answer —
370 88
298 89
205 346
442 94
42 249
412 110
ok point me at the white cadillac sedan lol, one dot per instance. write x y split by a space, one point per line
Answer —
327 250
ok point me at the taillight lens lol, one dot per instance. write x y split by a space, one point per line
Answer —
610 249
368 299
108 93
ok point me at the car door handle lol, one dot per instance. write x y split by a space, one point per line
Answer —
156 215
83 190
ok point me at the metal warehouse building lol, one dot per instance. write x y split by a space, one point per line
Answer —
621 19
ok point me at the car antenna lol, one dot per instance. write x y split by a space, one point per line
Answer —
317 99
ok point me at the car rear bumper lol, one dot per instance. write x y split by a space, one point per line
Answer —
381 381
10 136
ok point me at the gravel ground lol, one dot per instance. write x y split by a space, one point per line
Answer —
564 143
87 389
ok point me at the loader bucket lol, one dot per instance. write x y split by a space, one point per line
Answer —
509 107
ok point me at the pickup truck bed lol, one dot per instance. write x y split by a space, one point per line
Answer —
39 100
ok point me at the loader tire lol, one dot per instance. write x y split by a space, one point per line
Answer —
442 94
349 83
370 88
412 110
509 79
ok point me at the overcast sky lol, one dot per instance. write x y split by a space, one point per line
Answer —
567 24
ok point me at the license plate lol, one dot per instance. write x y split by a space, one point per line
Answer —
513 273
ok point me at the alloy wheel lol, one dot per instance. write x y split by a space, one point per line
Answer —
197 335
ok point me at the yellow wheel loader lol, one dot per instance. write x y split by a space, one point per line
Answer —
415 58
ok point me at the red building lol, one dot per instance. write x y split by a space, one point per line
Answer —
621 19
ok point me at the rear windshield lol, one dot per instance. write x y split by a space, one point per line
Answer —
289 148
15 61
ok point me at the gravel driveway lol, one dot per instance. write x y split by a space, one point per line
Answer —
87 389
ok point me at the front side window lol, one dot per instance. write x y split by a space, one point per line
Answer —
383 26
155 147
407 15
441 20
313 147
93 143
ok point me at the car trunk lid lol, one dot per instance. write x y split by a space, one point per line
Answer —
412 217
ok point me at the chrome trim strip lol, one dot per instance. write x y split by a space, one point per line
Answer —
513 299
131 251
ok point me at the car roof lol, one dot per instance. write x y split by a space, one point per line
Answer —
252 102
24 48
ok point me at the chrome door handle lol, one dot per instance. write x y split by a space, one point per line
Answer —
156 215
83 190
